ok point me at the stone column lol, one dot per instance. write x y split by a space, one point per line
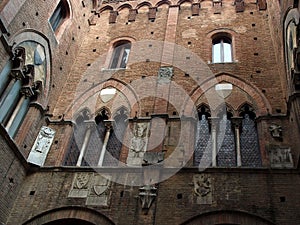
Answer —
214 124
89 127
20 111
108 126
236 122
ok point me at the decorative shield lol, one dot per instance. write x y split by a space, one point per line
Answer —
107 94
82 180
99 189
223 90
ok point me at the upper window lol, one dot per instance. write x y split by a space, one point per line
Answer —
222 50
120 55
59 15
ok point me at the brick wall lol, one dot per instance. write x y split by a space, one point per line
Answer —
271 196
13 172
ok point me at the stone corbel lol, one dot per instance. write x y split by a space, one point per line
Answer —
147 195
113 16
195 9
239 5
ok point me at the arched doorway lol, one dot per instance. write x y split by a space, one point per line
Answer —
69 222
226 217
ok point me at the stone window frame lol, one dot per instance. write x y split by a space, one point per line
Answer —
222 39
291 18
62 21
119 49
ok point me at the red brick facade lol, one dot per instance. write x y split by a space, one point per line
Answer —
165 83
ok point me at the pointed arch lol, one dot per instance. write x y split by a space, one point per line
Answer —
263 105
103 112
91 94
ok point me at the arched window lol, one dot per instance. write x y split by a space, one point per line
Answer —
60 14
120 55
97 143
203 154
226 155
77 140
21 80
250 154
221 49
114 144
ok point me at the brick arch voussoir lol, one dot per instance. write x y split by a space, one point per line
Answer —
227 217
263 105
120 86
80 213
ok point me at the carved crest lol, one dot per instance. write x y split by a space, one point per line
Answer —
82 180
99 189
165 74
203 188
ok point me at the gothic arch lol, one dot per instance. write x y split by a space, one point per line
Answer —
89 216
119 85
227 217
263 105
41 39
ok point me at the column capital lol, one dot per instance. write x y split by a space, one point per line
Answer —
108 124
214 121
236 121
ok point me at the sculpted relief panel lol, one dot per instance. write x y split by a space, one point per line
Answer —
91 186
138 144
41 146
